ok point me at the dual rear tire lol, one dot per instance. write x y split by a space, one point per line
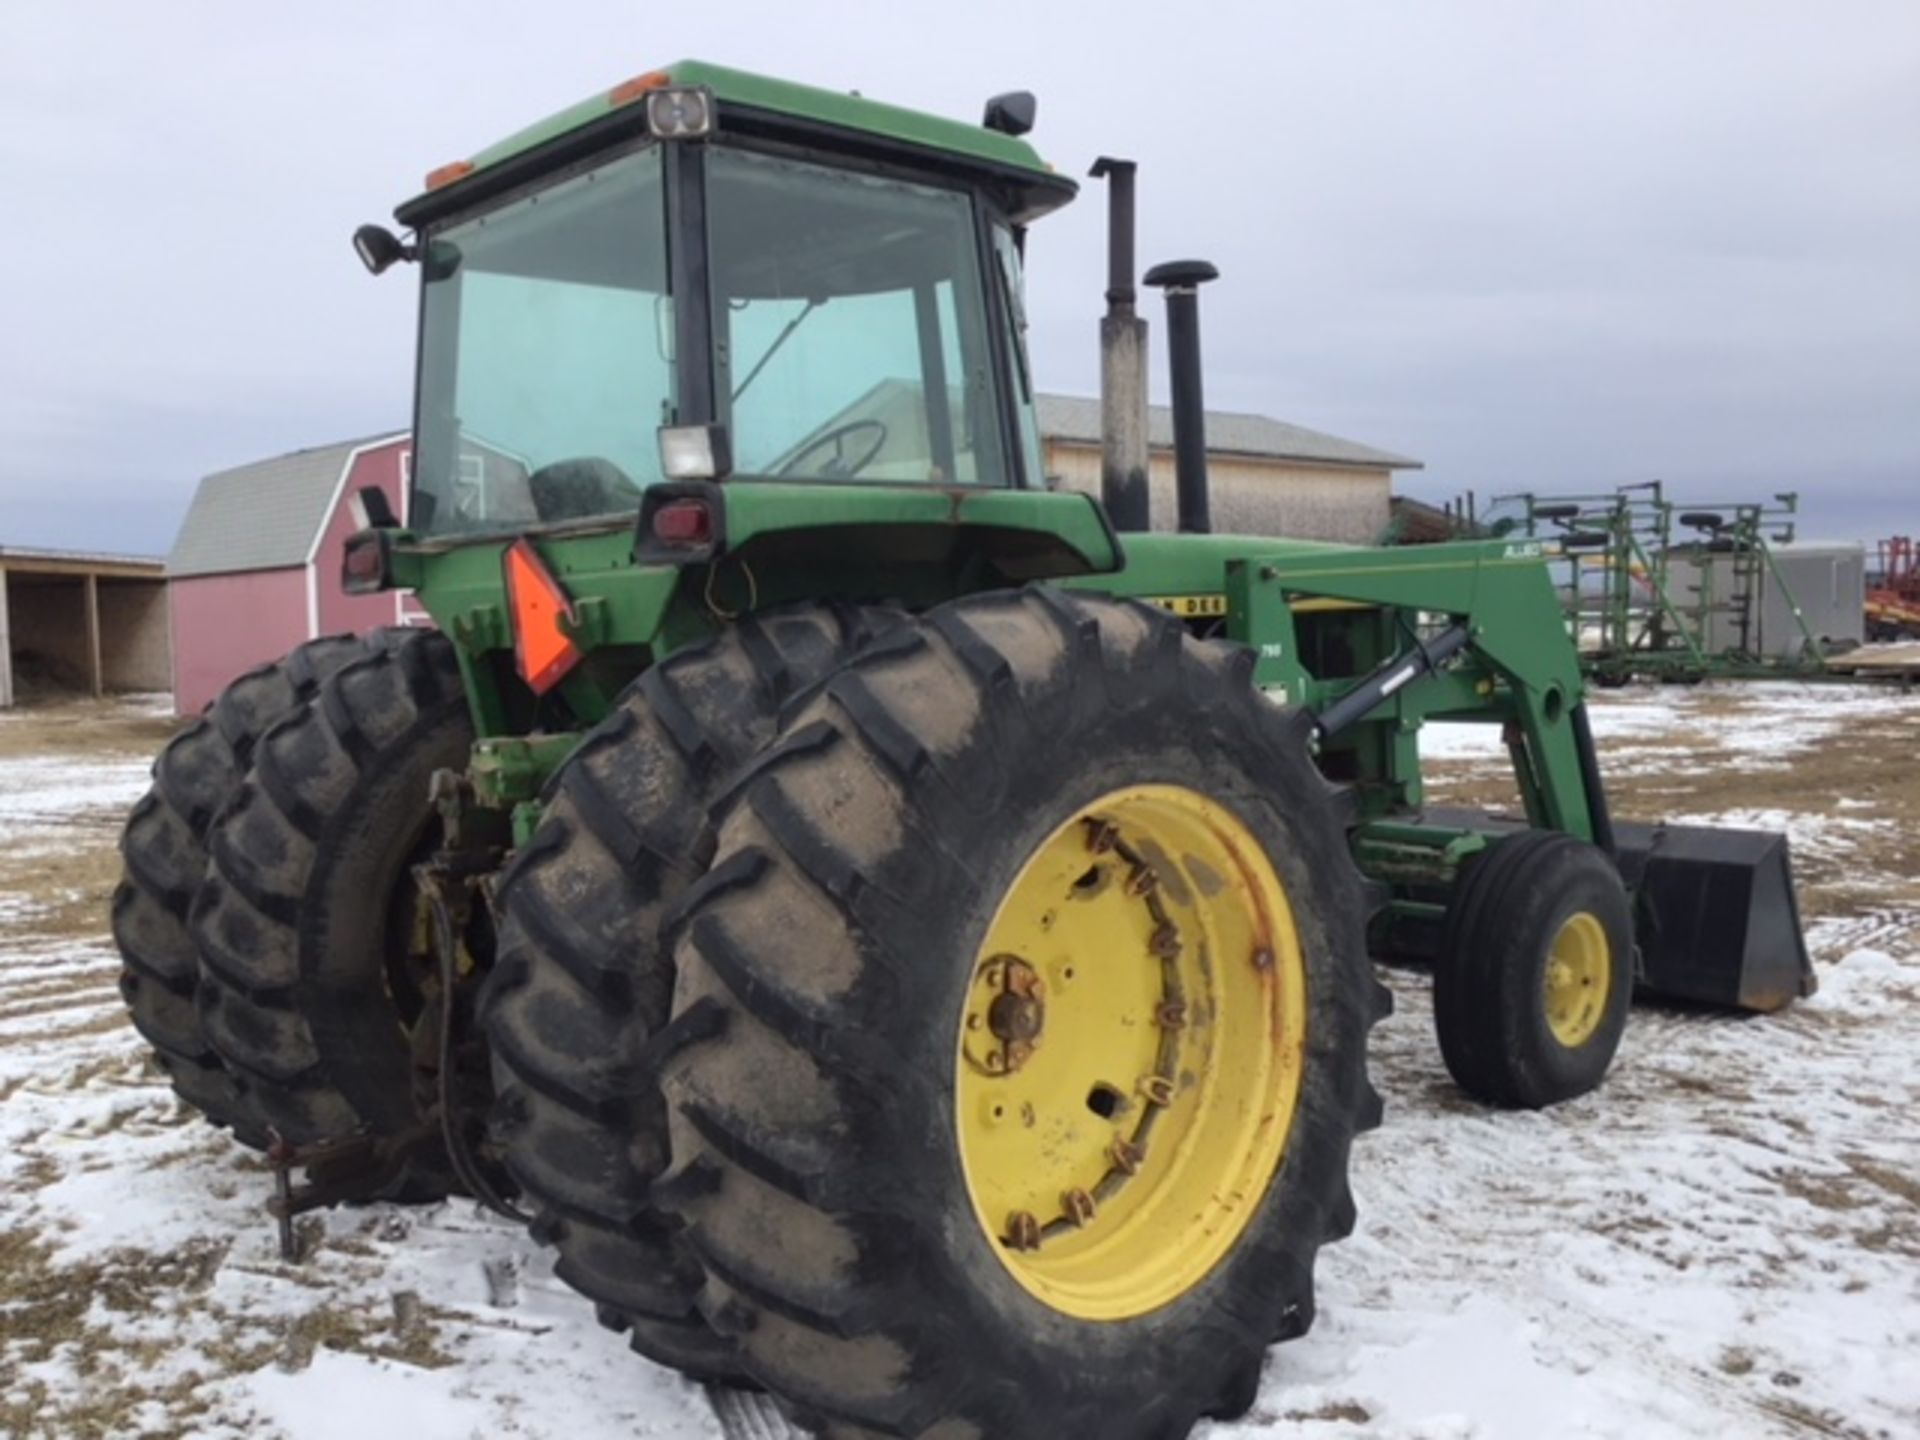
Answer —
164 853
841 1221
581 991
910 1226
267 923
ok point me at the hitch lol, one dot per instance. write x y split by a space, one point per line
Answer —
452 886
337 1170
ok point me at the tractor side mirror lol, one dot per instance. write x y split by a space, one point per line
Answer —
1012 113
378 248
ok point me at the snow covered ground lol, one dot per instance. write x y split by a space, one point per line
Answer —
1724 1240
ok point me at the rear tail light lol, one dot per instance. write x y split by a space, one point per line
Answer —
363 565
683 522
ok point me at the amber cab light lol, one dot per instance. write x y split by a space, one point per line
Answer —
628 91
447 174
683 522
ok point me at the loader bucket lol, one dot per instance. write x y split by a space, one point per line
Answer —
1716 915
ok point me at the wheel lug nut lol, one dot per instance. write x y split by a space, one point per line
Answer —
1023 1231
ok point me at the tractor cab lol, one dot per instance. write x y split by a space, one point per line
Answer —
705 275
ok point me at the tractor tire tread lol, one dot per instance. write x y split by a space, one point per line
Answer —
820 1253
164 850
577 1007
1484 995
256 910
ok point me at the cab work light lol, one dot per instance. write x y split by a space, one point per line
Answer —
543 619
695 452
683 113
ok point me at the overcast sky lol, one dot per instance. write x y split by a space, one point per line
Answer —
1535 245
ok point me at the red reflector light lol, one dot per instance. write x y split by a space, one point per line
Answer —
543 615
683 522
363 559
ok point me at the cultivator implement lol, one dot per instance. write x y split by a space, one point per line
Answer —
1662 590
898 926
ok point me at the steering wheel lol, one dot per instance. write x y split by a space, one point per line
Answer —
841 466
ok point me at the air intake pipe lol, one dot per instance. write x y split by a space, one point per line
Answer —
1182 279
1123 363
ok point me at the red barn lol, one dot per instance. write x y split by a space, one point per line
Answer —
256 567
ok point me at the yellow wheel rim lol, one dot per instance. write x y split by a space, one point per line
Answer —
1579 979
1130 1053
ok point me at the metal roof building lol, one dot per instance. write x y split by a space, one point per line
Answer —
81 622
1266 476
265 515
1075 419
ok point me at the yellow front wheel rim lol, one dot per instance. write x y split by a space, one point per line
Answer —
1131 1052
1579 979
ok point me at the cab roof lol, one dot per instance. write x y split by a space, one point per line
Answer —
745 101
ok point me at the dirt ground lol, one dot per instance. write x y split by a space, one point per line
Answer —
1725 1239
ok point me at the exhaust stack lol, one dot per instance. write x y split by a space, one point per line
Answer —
1123 363
1182 279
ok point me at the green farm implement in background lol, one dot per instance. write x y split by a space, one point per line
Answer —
900 932
1660 590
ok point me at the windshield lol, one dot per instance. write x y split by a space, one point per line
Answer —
850 324
546 355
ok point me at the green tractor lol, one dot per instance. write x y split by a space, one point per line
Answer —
901 932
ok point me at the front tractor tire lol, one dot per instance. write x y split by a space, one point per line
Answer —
1019 1032
164 847
581 985
314 962
1535 972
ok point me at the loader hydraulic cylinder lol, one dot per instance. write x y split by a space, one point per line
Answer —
1358 703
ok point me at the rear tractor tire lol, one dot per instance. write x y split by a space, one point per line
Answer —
581 986
1019 1033
165 853
315 962
1535 972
